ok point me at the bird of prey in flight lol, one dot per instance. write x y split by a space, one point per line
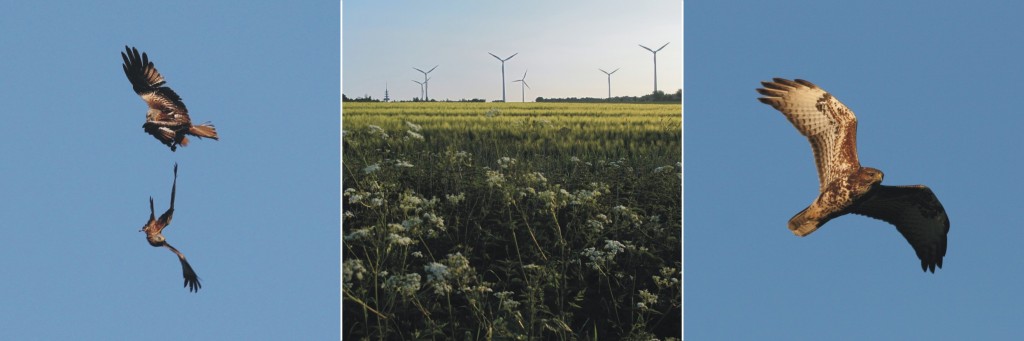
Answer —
167 119
845 186
155 226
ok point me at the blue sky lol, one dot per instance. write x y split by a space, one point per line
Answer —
561 44
256 213
934 88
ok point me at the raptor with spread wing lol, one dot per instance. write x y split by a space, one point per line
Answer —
154 228
845 186
167 118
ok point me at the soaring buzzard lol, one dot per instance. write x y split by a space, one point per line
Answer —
153 231
845 186
167 118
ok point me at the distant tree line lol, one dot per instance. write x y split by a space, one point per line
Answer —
658 96
367 98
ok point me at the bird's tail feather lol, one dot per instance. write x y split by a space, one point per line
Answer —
205 130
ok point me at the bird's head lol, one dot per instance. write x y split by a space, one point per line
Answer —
870 175
864 180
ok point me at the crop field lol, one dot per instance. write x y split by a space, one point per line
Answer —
478 221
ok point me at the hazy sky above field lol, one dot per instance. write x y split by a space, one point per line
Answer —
935 90
256 213
562 44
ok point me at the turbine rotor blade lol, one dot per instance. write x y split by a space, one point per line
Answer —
646 48
662 46
432 69
495 57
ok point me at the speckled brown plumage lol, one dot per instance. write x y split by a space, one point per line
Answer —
845 186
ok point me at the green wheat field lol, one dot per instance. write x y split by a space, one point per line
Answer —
518 221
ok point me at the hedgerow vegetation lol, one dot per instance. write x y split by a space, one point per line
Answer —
511 221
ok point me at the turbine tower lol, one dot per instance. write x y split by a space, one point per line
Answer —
421 87
523 80
503 72
655 52
426 85
610 81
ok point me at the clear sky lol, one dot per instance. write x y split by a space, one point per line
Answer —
256 213
561 44
935 90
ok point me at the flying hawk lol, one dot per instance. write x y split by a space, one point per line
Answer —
167 118
845 186
153 230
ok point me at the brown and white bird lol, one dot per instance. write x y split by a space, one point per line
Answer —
167 118
845 186
155 226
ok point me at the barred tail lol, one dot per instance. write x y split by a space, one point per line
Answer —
204 130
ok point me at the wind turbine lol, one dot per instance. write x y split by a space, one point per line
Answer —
610 81
421 87
655 52
503 72
523 80
426 85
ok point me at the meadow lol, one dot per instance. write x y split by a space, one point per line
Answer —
515 221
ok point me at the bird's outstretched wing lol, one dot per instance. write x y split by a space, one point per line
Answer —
829 125
148 83
917 214
191 279
165 219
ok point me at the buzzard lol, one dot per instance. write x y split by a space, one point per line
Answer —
167 118
845 186
155 226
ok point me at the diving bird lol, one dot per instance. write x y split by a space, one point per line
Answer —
845 186
155 226
167 119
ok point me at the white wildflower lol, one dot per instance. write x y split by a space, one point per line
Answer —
375 130
495 179
455 199
414 135
405 285
505 301
614 247
359 234
371 168
434 220
352 268
410 201
412 222
394 238
413 126
505 162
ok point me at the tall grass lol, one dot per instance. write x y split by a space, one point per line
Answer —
533 221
